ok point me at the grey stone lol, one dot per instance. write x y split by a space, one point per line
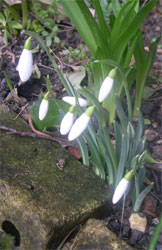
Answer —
40 203
95 235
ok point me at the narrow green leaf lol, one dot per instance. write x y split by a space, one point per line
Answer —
121 114
122 161
101 22
152 244
116 7
83 149
117 131
149 158
8 81
141 197
118 27
84 22
118 45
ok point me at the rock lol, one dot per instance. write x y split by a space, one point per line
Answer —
137 222
157 149
95 235
40 203
151 134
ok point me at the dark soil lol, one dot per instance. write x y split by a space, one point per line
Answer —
151 108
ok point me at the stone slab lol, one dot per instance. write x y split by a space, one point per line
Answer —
95 235
40 203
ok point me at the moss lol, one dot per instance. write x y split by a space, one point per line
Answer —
6 242
37 197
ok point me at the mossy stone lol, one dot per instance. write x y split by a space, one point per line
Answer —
41 202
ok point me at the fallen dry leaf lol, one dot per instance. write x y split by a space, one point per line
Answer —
75 152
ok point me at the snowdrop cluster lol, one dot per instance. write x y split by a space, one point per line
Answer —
75 129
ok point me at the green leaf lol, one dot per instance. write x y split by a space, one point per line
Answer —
2 18
101 22
84 22
37 71
16 25
55 28
156 235
123 16
76 77
8 81
56 39
83 149
122 161
48 41
150 159
117 131
118 45
116 7
45 33
141 197
121 114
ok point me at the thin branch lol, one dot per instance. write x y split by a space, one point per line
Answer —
12 131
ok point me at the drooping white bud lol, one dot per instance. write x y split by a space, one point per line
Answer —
122 187
81 124
106 86
72 101
67 121
43 108
25 63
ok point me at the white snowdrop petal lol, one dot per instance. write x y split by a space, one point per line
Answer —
72 101
120 190
43 109
105 89
25 64
78 127
66 123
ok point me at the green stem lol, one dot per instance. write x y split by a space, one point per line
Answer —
139 93
24 13
155 237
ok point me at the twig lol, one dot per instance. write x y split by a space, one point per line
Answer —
34 135
122 216
22 109
66 237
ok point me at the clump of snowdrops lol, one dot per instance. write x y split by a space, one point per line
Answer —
85 122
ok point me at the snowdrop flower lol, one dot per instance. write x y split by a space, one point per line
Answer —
106 86
43 108
72 100
67 121
122 187
25 63
81 124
